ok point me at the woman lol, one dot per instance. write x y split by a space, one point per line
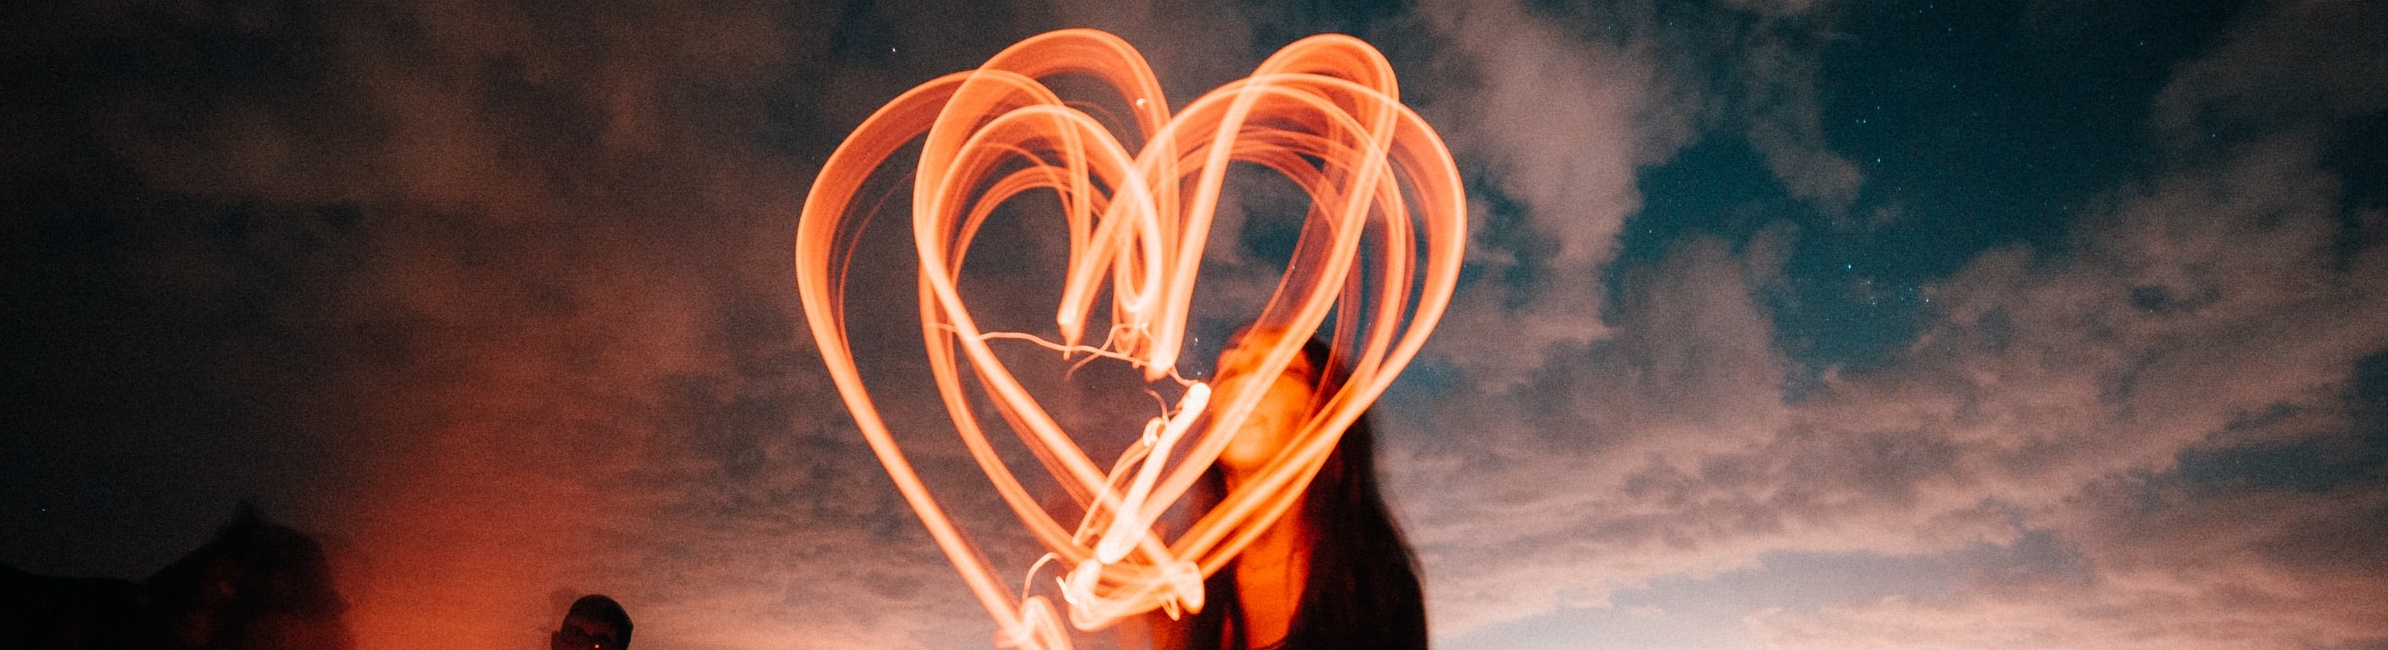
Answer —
1333 572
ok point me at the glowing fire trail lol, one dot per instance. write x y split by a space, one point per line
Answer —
1380 248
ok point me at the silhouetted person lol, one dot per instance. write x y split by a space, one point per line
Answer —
39 612
256 586
594 623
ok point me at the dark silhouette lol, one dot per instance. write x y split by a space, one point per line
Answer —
39 612
595 622
1360 589
256 586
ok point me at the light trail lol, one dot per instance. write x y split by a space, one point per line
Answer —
1380 250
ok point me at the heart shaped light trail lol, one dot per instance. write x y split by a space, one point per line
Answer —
1379 253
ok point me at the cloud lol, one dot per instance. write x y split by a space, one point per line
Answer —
1558 110
1592 472
2221 310
1559 123
2173 568
2053 381
2222 303
2292 65
1780 74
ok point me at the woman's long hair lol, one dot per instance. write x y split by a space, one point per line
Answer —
1362 591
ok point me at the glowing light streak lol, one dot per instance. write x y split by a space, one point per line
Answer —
1133 516
1380 249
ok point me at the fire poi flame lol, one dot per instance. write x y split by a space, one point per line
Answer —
1380 250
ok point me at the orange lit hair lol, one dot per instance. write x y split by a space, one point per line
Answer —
1362 592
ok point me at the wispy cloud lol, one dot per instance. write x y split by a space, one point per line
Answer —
1557 123
2224 302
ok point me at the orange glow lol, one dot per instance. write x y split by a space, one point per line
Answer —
1380 250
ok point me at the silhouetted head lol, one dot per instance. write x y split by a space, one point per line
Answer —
594 623
257 585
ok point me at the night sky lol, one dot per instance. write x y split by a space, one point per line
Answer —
1785 324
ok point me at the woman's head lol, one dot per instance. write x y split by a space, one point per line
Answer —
1287 398
1362 590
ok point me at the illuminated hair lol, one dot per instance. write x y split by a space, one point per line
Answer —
1362 591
